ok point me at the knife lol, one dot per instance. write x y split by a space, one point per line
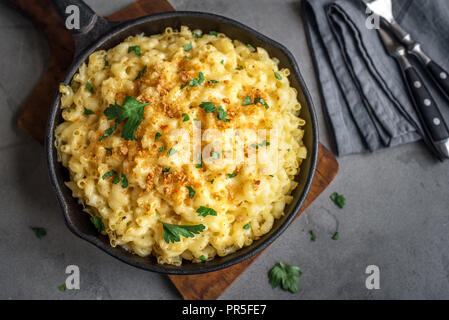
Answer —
427 109
384 9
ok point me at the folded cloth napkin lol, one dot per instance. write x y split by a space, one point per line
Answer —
366 102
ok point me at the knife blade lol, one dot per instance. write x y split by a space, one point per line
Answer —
384 9
426 107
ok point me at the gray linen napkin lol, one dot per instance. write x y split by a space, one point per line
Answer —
365 98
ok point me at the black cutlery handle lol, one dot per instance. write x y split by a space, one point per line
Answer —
440 76
426 105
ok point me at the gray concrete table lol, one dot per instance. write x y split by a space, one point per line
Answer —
396 217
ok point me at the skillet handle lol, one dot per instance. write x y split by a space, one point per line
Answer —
84 23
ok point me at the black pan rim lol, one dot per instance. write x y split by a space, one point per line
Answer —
168 269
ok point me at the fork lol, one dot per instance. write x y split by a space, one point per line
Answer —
384 9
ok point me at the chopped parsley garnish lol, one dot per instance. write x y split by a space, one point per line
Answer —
338 199
239 68
108 132
212 181
196 35
247 101
212 81
209 107
261 101
98 223
188 46
132 111
263 144
161 149
39 232
106 63
205 211
312 235
195 82
247 226
172 232
108 150
222 114
213 33
141 72
222 61
335 236
191 192
62 287
124 181
185 57
109 174
136 50
88 112
250 47
215 155
185 117
278 76
89 87
232 175
171 152
200 164
166 170
183 86
203 258
285 275
157 136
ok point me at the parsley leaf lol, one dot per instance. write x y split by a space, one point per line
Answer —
108 150
203 258
171 152
212 181
141 72
278 76
161 149
263 144
98 223
222 61
157 136
213 81
213 33
335 236
261 101
166 170
108 132
285 275
196 35
106 63
172 232
195 82
124 181
132 110
188 46
209 107
338 199
215 155
205 211
136 50
250 47
232 175
62 287
239 68
109 174
247 226
312 235
185 117
255 146
247 101
183 86
89 87
222 114
191 192
88 112
39 232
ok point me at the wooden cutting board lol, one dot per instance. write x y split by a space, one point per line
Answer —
33 118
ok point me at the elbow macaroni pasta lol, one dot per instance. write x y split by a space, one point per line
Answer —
161 75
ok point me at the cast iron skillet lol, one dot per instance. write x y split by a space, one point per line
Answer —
97 33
